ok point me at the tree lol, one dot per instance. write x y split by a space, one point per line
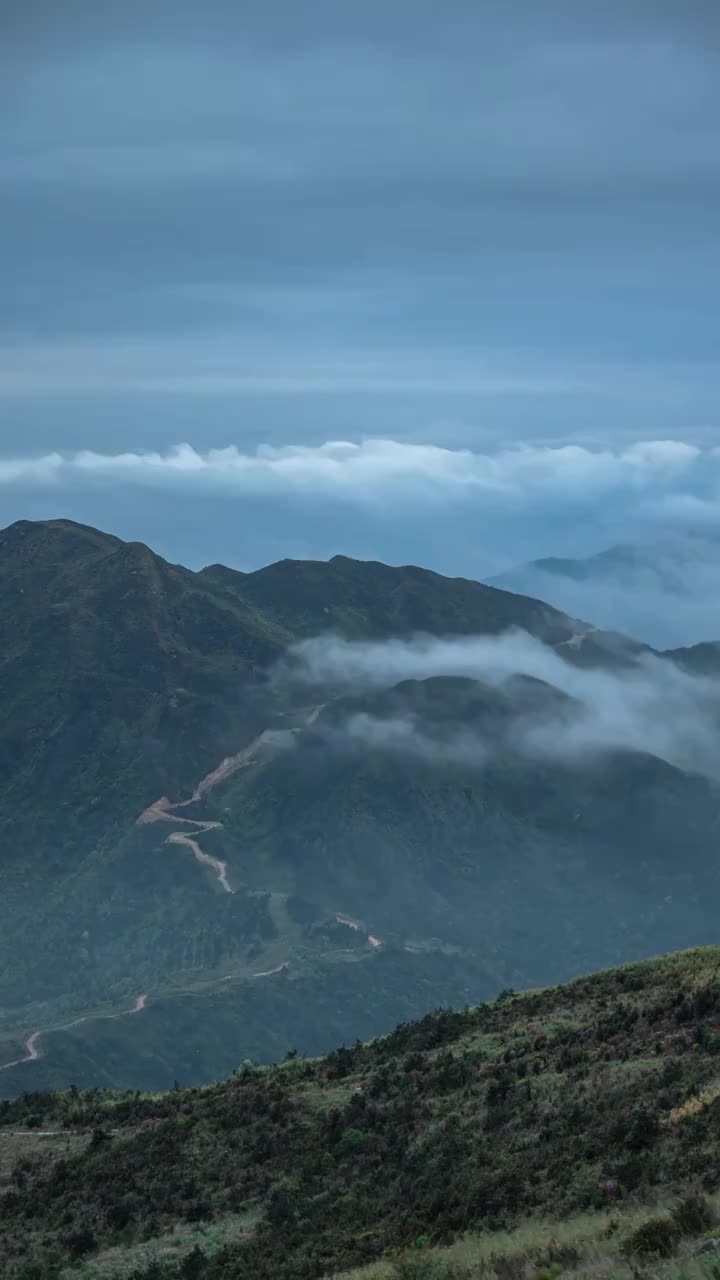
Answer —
192 1264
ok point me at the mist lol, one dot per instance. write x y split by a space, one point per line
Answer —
405 735
651 706
639 604
665 593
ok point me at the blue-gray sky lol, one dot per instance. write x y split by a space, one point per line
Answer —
485 228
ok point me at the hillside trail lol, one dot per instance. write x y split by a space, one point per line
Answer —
576 640
163 810
31 1044
354 924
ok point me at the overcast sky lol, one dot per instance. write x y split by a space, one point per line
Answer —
483 233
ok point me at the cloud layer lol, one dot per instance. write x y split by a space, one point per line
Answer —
654 707
300 224
669 603
681 477
461 511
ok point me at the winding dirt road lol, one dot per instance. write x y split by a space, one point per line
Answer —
353 924
267 973
217 864
31 1044
162 810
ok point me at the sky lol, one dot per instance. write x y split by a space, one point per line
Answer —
400 280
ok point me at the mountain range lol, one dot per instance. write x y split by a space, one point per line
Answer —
607 565
664 593
244 813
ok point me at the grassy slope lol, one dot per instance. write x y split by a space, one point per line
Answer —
599 1098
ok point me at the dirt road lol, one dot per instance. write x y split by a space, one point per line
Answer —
163 810
218 866
353 924
31 1044
32 1052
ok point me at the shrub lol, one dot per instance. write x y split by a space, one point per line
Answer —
644 1128
560 1257
511 1266
32 1271
352 1139
658 1237
693 1215
79 1242
197 1211
191 1267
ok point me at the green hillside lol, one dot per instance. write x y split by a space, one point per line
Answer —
322 885
565 1131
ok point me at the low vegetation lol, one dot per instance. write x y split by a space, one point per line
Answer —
568 1130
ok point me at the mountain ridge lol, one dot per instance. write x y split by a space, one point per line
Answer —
126 679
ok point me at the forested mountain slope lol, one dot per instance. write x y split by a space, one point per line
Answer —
194 831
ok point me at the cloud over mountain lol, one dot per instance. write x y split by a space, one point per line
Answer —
475 512
652 706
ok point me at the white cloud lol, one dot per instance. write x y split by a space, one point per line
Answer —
652 707
460 511
405 736
663 471
375 664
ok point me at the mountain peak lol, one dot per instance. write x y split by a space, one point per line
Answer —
34 553
60 524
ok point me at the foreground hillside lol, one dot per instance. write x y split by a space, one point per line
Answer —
575 1129
219 845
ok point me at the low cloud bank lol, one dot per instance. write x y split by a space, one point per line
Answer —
653 707
460 511
657 470
667 604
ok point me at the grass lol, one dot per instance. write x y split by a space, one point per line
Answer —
120 1262
586 1246
695 1105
